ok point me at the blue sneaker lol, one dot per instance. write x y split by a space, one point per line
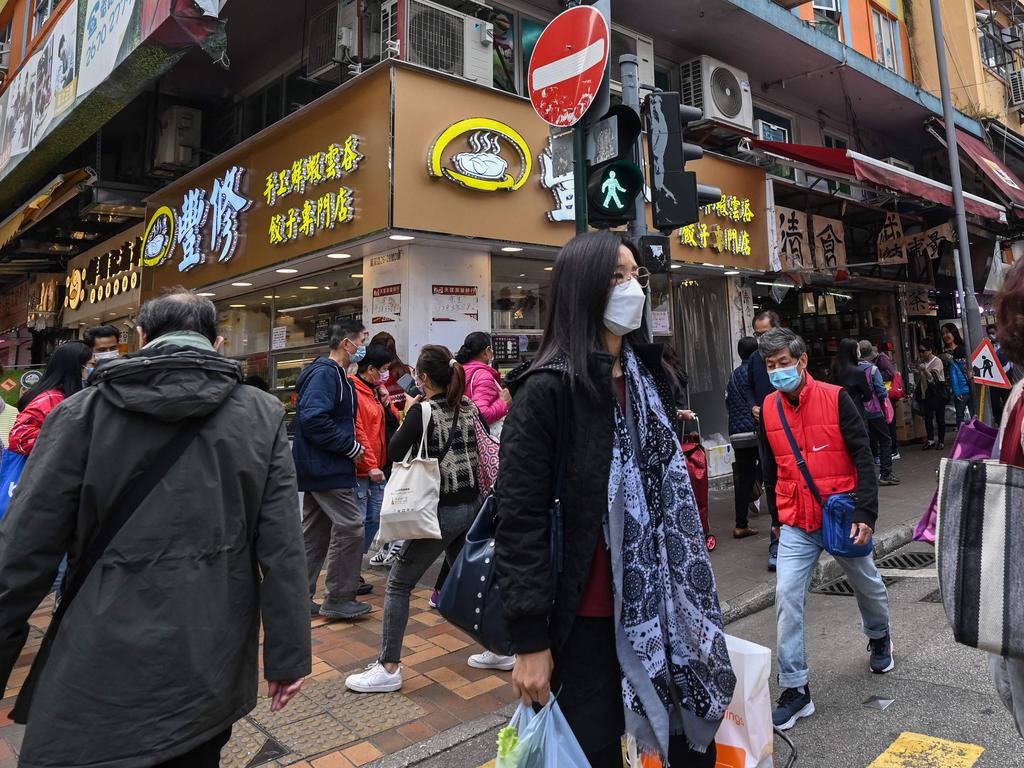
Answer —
794 703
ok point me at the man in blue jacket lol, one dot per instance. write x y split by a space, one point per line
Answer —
326 452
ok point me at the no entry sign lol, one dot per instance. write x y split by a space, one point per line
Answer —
568 64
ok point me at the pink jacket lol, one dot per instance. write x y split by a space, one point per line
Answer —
483 387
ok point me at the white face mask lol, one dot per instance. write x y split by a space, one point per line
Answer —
106 355
624 312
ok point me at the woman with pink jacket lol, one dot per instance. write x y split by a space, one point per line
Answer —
483 383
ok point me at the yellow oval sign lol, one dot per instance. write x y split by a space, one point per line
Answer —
483 167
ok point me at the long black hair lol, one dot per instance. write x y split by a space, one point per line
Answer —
577 298
846 358
63 372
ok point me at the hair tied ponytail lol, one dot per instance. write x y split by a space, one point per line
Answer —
452 363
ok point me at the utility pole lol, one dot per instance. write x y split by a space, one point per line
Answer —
968 299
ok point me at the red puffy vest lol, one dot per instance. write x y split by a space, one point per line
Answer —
815 425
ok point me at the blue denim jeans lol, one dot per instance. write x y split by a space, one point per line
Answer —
369 497
798 555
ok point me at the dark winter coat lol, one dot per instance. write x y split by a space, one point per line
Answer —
546 414
739 399
760 381
158 652
325 444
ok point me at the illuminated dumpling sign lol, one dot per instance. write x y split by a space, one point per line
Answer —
481 165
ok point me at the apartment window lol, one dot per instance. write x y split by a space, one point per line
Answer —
828 18
44 8
886 34
838 142
995 54
773 127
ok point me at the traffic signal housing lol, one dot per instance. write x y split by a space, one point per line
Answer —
676 196
614 178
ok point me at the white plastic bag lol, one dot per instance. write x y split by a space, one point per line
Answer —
745 738
411 496
545 740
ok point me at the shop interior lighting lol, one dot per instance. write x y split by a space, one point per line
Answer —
237 306
308 287
715 266
242 285
206 295
731 272
549 269
762 282
677 266
357 275
339 255
287 271
401 238
511 249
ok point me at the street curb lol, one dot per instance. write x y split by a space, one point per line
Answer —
442 742
828 570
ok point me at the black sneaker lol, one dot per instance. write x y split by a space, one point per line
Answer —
889 479
881 655
793 705
314 608
364 588
350 609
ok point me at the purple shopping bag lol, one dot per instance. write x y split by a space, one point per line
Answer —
975 440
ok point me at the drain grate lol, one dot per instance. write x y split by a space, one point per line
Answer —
907 561
843 587
932 597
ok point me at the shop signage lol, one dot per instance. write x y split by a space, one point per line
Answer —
557 177
727 231
181 229
109 274
387 304
918 301
452 303
829 243
791 241
483 168
891 248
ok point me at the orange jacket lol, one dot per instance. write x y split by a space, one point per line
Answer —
370 427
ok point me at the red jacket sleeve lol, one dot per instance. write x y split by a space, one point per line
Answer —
26 427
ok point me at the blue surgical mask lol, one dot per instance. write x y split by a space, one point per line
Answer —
359 354
786 379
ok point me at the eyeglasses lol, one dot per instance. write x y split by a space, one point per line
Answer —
642 275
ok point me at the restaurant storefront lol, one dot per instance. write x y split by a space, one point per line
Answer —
426 222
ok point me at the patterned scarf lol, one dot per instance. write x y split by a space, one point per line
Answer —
669 637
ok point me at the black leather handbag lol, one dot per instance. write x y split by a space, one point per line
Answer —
471 598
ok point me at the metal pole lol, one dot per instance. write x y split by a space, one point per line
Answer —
579 177
971 314
629 72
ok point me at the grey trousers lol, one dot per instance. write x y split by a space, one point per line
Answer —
1009 679
332 527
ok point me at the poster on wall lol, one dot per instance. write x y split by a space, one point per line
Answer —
64 41
387 304
279 337
42 100
322 330
18 132
451 303
106 22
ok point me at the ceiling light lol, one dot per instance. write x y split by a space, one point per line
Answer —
511 249
242 285
676 266
327 287
113 314
549 269
339 255
523 275
731 272
268 297
357 275
308 287
287 271
519 287
237 306
206 295
401 238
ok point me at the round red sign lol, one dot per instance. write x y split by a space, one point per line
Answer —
568 64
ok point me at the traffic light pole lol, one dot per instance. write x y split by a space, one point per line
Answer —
629 72
579 176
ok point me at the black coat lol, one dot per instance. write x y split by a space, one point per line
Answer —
540 612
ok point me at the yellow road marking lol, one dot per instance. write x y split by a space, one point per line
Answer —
915 750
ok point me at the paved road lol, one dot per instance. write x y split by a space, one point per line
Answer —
939 689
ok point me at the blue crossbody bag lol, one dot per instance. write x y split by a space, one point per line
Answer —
836 511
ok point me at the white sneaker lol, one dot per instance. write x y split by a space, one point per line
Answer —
490 660
375 679
378 559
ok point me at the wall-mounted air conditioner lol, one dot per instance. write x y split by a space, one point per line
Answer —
625 40
180 138
1016 87
902 164
720 90
333 39
438 38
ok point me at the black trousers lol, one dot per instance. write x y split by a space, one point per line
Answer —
935 418
204 756
588 683
881 442
745 472
997 401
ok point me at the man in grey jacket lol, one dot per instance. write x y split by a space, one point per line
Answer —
156 656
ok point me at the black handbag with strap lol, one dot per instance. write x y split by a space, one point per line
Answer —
138 488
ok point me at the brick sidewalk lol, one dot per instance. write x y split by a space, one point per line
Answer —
326 726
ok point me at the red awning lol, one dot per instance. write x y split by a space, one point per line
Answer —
858 167
1002 178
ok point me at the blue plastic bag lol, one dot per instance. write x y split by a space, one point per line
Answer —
545 740
11 466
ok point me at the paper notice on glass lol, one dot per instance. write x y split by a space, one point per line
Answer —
661 322
451 303
279 337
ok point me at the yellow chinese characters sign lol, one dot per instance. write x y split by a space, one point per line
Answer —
726 232
317 214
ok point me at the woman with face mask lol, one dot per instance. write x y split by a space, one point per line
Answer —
483 383
628 628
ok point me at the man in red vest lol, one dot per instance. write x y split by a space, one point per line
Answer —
831 436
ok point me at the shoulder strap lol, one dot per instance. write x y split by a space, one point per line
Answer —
796 451
138 488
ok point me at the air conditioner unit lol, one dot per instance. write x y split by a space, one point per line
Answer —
1013 37
895 161
1017 87
322 44
438 38
644 49
180 138
721 91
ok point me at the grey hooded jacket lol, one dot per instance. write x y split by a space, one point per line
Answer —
158 652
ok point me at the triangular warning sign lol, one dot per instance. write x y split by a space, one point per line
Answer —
986 366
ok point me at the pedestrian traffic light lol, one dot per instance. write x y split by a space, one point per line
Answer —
614 178
675 194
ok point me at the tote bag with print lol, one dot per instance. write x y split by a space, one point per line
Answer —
411 496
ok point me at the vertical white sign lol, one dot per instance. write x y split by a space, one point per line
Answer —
106 22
